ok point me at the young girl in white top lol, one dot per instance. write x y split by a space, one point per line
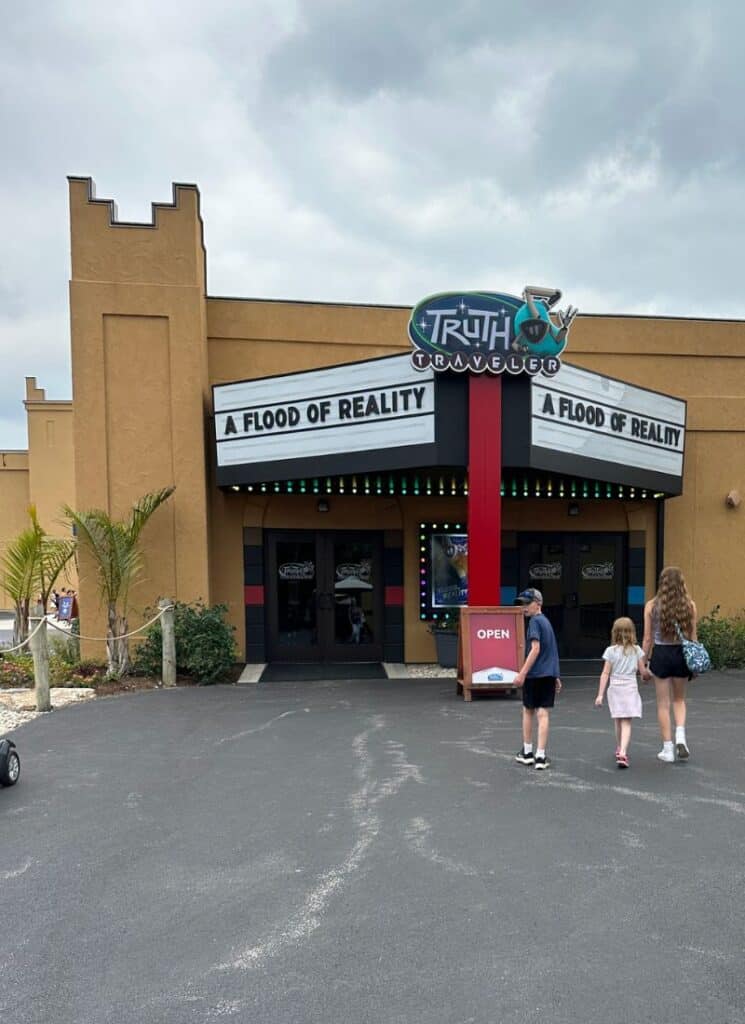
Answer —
621 661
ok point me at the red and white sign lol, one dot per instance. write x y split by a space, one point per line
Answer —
495 647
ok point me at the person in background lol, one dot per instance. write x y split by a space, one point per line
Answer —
621 662
539 679
670 614
356 620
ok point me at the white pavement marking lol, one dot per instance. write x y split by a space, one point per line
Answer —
713 954
257 728
363 803
557 779
418 836
6 876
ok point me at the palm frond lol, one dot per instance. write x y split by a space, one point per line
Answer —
144 508
114 545
98 535
18 565
54 554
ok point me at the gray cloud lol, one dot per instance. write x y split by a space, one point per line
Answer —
377 153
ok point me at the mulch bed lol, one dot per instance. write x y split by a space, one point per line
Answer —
133 684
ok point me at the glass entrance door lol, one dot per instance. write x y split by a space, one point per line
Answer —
581 578
324 595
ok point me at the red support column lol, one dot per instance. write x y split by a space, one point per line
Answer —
484 484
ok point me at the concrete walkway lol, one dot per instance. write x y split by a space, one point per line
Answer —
370 852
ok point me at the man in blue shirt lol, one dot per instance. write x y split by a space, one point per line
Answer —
539 678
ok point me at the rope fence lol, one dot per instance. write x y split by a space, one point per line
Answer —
40 651
79 636
22 644
106 639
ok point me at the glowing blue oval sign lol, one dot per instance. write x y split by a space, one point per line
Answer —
488 332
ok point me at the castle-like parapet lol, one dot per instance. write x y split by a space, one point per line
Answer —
167 251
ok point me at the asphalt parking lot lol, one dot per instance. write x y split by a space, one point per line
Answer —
370 852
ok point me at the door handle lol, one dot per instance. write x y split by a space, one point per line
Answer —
571 600
325 602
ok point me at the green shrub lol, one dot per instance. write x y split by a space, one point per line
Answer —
205 649
66 645
88 673
16 670
60 668
724 638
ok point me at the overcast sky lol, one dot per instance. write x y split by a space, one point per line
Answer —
379 151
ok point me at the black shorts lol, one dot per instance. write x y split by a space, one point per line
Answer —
667 662
539 692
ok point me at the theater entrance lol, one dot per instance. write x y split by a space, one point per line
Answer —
581 577
324 595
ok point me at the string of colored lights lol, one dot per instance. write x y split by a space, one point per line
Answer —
446 485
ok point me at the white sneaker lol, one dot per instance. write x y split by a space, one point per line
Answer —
666 755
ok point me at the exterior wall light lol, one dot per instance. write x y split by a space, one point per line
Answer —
573 509
323 505
733 499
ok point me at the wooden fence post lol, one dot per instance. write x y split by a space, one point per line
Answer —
168 630
40 651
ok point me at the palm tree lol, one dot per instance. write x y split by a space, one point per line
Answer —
115 549
31 564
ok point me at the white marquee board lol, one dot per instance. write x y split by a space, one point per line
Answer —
377 404
587 415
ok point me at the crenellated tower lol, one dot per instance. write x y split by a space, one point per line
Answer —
140 381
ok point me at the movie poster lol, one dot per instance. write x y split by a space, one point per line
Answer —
449 560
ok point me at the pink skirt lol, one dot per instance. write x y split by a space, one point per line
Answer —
624 699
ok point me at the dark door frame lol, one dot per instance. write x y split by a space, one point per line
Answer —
571 643
327 647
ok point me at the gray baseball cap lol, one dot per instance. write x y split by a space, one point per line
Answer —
530 595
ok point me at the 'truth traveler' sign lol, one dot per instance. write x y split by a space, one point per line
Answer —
488 332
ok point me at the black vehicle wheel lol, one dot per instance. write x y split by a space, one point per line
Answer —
11 770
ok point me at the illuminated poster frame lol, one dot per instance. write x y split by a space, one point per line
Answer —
443 570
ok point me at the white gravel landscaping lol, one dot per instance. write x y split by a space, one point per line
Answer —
19 706
418 671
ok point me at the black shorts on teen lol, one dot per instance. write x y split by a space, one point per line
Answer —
667 662
539 692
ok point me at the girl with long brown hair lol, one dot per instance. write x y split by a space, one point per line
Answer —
669 613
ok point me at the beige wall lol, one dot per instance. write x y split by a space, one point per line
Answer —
232 512
140 386
14 501
50 457
147 344
702 361
41 476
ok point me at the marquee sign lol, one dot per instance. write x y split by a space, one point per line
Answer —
489 332
379 414
617 430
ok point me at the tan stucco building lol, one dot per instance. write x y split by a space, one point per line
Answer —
148 346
